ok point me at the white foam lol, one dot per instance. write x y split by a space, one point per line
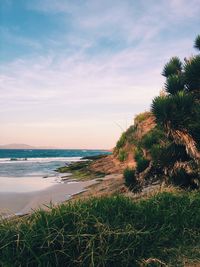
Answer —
39 160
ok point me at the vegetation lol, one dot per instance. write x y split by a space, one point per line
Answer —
142 117
130 178
197 42
177 112
96 156
121 142
170 149
122 155
162 230
151 138
81 170
113 231
142 162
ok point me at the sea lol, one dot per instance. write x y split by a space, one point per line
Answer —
21 168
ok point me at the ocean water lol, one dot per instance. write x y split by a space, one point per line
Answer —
26 170
38 162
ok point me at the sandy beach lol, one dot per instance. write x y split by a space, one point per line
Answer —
12 203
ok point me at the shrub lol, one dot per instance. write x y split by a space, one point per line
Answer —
173 67
141 117
173 111
138 153
122 156
166 155
197 42
153 137
174 84
130 179
178 113
121 142
142 164
192 70
183 179
130 134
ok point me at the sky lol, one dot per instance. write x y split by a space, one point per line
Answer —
74 73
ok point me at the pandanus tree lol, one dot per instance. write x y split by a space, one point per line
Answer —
178 111
197 42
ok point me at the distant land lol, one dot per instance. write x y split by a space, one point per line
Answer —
24 146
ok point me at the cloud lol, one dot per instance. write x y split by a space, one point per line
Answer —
185 9
102 66
84 78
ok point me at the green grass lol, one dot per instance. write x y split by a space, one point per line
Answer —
122 155
97 156
81 170
121 142
142 117
113 231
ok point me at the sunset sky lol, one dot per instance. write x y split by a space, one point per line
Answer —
73 74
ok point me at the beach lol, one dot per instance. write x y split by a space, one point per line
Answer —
19 203
29 180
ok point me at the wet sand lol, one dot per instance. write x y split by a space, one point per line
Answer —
12 203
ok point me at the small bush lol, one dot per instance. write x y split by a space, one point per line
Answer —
153 137
130 178
142 116
142 164
167 154
183 179
138 153
121 142
122 156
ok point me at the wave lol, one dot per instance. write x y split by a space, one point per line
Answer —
39 160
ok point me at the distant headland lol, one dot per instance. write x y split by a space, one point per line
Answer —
24 146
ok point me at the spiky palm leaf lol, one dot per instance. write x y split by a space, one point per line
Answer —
192 75
161 109
197 42
173 112
174 84
167 154
179 113
173 67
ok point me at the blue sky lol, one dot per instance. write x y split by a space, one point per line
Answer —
71 72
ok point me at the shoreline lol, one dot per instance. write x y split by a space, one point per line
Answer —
15 203
77 181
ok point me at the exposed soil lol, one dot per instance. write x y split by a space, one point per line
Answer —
107 165
111 165
109 185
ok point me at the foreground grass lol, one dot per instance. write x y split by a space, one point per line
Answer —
113 231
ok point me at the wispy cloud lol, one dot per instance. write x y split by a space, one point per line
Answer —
102 66
184 9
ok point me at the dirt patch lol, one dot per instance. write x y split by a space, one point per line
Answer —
111 165
107 165
109 185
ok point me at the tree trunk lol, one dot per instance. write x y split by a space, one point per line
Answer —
183 138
